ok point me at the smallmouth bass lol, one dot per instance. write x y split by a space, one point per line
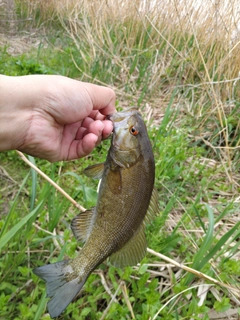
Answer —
114 229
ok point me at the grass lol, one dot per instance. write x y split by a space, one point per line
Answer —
182 71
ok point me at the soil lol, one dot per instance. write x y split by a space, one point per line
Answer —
17 39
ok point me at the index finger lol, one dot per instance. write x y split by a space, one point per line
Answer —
103 98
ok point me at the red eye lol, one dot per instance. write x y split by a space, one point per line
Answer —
133 131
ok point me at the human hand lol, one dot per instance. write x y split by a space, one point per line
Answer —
54 117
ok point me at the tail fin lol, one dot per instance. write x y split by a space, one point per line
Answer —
61 287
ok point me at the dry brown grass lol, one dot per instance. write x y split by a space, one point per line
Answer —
212 30
194 46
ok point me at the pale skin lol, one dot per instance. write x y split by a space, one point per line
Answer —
53 117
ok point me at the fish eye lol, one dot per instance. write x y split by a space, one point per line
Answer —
133 131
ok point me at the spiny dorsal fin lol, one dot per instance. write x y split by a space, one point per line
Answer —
153 207
82 225
133 251
95 171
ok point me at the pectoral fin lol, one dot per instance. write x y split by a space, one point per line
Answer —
82 224
133 251
95 171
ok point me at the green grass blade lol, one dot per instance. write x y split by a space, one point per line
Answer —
41 306
207 242
133 65
8 219
225 212
51 198
80 182
168 209
198 215
218 247
168 114
11 233
57 211
233 250
34 183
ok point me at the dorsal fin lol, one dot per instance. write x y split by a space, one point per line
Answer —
82 224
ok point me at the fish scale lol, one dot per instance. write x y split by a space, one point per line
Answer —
114 229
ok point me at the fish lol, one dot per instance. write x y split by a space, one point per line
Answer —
114 229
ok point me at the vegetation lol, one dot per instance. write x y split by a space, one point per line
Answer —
179 64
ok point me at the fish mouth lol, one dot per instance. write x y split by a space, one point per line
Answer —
122 115
115 117
118 120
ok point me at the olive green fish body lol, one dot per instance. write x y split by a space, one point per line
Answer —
114 229
119 214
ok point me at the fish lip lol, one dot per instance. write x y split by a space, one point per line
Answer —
109 116
115 118
128 112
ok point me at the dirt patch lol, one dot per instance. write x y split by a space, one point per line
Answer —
18 44
18 40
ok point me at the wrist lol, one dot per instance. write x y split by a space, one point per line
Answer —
14 118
